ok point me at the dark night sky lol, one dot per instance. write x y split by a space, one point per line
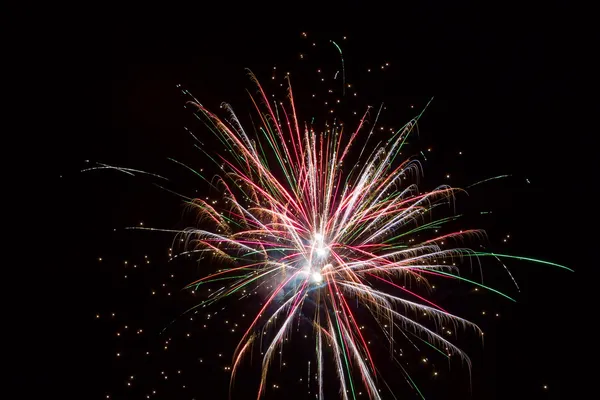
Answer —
507 87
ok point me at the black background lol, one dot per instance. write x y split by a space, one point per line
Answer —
509 93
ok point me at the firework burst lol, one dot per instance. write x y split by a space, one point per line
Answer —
327 227
325 230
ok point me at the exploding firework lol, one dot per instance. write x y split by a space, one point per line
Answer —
326 231
326 226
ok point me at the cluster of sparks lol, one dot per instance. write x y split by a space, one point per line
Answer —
327 228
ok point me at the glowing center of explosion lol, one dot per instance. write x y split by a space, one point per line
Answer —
321 250
317 277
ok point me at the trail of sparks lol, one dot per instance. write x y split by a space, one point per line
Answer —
343 68
128 171
487 180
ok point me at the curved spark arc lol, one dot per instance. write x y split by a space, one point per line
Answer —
322 237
